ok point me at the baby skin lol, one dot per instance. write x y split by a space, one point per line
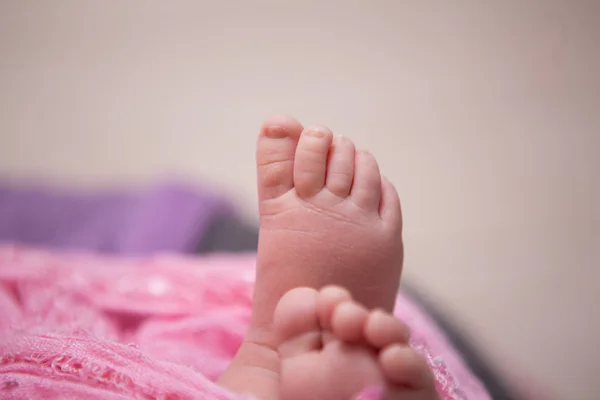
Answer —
329 262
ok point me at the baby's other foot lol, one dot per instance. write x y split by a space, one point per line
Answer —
332 348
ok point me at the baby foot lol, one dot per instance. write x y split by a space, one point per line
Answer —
332 348
327 217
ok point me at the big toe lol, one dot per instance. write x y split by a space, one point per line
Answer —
275 151
310 165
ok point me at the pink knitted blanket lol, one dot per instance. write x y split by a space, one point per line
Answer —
83 326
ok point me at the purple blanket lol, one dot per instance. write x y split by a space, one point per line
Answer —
166 218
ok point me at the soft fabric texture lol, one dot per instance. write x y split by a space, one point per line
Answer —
168 217
87 326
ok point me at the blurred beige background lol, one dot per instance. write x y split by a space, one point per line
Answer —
486 115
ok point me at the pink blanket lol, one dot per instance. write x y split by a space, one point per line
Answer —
96 327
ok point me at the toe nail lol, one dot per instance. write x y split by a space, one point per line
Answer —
317 132
275 132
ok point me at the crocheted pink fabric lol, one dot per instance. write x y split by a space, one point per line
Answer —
98 327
